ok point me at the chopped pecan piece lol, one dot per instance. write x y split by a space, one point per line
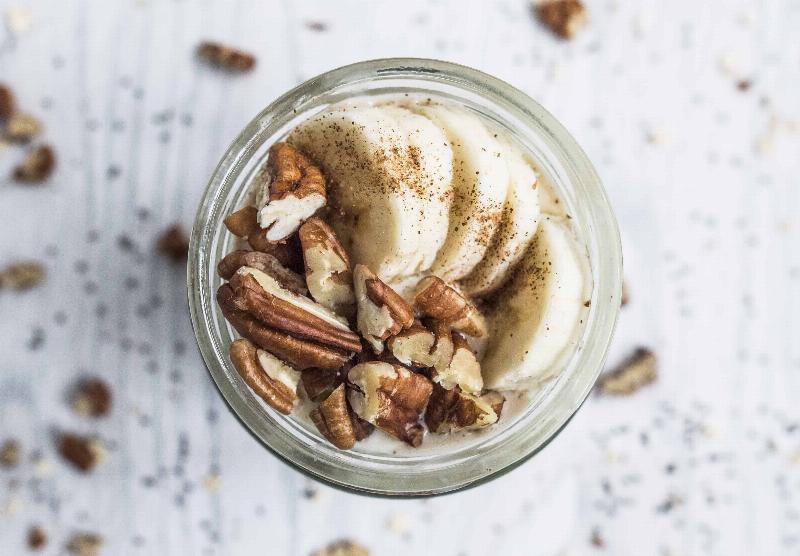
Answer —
328 273
342 548
264 262
332 419
9 453
36 167
300 354
82 452
453 410
381 311
562 17
271 379
22 275
21 128
265 299
37 538
319 383
637 371
91 397
85 544
243 223
437 300
294 191
390 397
7 103
226 57
174 243
463 370
413 346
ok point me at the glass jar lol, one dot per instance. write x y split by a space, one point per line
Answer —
557 156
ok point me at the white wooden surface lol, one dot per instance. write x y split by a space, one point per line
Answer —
704 180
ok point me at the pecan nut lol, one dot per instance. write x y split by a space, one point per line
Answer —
637 371
295 190
333 420
36 167
328 274
300 354
271 379
381 311
453 410
226 57
390 397
418 346
266 263
319 383
463 369
243 223
438 300
562 17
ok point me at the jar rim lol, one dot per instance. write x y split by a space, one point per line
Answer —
497 455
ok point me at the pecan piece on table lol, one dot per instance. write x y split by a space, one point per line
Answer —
7 103
637 371
271 379
295 190
174 243
381 311
226 57
328 273
23 275
91 397
36 167
562 17
440 301
82 452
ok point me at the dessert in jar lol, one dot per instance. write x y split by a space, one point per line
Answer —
406 278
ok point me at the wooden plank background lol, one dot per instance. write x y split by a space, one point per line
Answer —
703 176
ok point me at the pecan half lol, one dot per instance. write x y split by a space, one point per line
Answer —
381 311
562 17
278 308
296 190
271 379
300 354
7 103
243 223
463 370
438 300
637 371
390 397
264 262
36 167
226 57
328 274
332 419
453 410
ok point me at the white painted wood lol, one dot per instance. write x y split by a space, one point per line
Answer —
704 180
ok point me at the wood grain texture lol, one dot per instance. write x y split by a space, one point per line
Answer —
703 177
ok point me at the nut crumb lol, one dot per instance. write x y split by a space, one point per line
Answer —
37 538
226 57
9 453
21 276
174 243
21 128
7 103
85 544
744 85
91 397
36 167
637 371
83 453
342 548
562 17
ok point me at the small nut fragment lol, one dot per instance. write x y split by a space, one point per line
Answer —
226 57
294 191
637 371
453 410
390 397
7 103
413 346
91 397
463 370
319 383
9 453
85 544
264 262
22 275
265 299
496 400
243 223
36 167
562 17
174 243
21 128
37 538
437 300
342 548
332 419
271 379
300 354
328 274
381 311
82 452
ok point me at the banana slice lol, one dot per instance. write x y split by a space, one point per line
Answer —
538 313
373 176
517 227
480 183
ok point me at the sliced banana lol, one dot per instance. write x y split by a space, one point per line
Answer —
480 183
538 313
517 227
366 158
